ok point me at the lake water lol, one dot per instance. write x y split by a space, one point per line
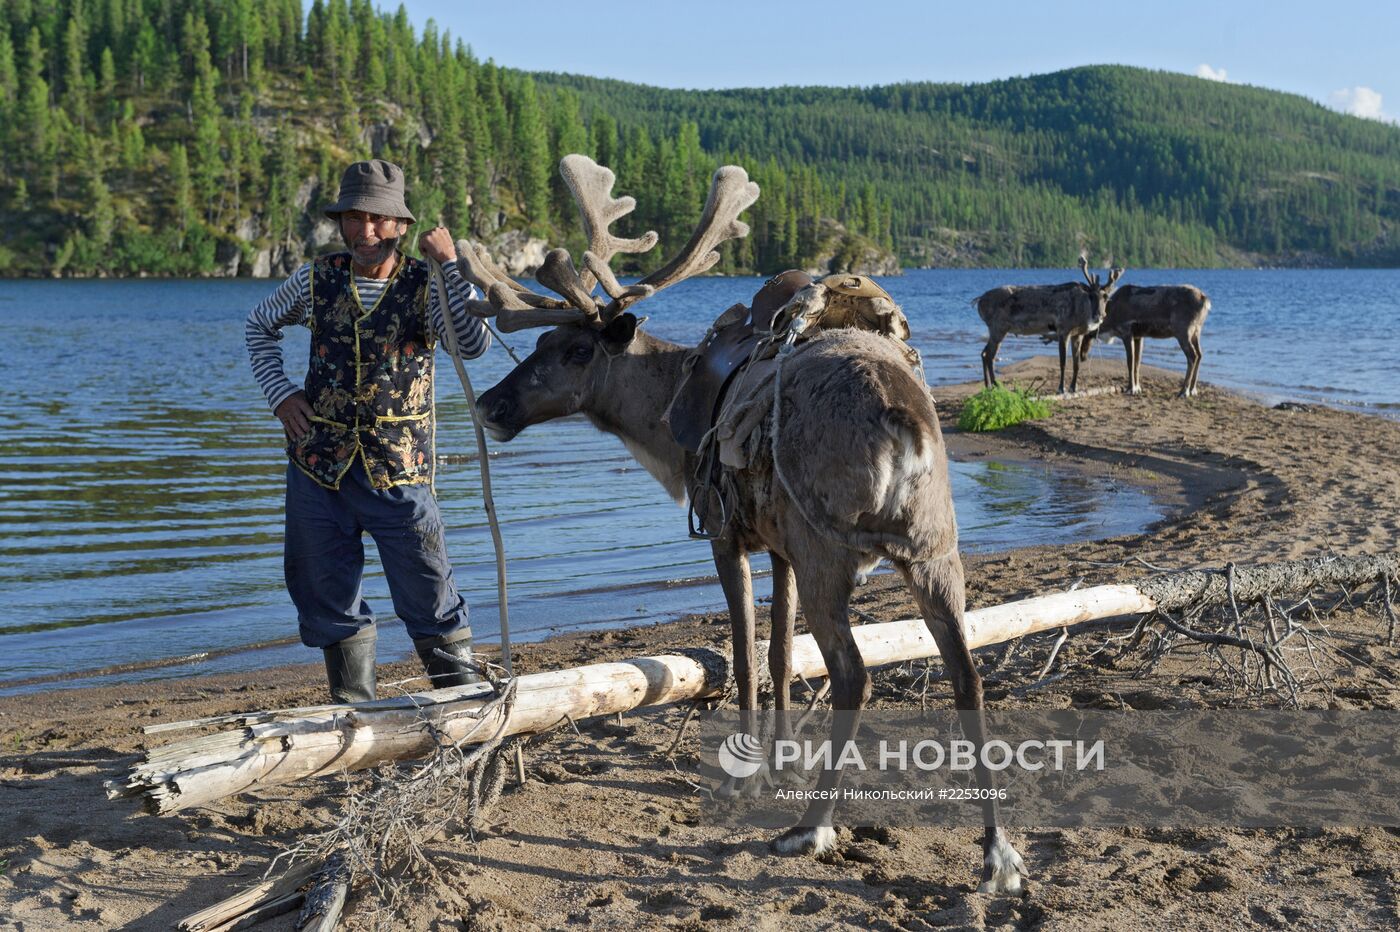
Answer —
141 480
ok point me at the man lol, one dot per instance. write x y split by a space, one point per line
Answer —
360 435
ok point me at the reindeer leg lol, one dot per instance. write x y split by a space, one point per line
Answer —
1137 366
1185 340
939 592
1195 366
825 585
1074 354
780 646
1128 353
989 358
1064 338
734 577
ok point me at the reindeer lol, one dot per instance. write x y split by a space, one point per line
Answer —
1135 312
1070 312
857 473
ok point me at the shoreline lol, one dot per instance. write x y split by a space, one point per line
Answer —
605 833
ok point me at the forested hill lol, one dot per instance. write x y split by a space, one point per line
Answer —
202 137
1151 168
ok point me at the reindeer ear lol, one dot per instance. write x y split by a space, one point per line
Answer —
620 331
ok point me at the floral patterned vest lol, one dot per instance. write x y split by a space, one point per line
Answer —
370 381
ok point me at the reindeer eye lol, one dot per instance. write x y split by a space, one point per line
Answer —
579 353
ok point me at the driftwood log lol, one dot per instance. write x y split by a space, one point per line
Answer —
270 748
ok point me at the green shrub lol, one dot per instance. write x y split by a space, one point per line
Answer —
997 407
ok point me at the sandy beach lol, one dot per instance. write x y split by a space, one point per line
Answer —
607 833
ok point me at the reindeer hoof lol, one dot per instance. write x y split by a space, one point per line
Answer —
1002 870
789 778
802 840
747 788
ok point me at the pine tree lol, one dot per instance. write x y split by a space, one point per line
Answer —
107 77
9 86
101 215
283 180
566 135
604 133
182 192
497 123
532 152
75 96
34 124
133 141
208 167
144 61
478 147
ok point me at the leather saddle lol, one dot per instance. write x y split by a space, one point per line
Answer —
715 362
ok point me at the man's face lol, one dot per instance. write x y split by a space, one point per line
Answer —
371 238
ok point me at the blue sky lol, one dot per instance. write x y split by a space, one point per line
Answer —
1343 53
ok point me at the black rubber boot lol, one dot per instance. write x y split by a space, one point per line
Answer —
445 672
350 667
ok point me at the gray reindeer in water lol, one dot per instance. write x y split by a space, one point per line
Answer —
858 472
1070 312
1163 312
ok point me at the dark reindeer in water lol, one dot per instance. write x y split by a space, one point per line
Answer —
859 442
1165 311
1070 312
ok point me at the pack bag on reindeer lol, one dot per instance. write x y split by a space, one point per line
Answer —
718 409
853 471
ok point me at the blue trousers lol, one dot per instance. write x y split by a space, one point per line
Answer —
324 557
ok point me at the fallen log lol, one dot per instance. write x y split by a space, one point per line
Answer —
270 748
266 899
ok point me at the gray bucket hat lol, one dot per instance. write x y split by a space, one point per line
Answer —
376 187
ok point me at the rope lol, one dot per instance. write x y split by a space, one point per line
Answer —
450 338
501 342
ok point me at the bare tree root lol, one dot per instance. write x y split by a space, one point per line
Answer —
378 845
1260 645
1263 630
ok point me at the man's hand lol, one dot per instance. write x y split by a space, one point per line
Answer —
437 243
295 414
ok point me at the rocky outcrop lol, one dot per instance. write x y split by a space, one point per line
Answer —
865 259
519 253
227 258
323 233
839 251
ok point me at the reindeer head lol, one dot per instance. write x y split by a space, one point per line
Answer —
569 370
1100 292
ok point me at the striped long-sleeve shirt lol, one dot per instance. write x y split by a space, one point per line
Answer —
290 305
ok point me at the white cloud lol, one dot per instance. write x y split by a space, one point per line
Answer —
1360 101
1211 74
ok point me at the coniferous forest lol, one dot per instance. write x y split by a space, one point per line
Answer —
196 137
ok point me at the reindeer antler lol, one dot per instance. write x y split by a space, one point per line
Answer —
731 193
516 307
591 185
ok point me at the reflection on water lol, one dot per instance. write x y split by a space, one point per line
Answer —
141 495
